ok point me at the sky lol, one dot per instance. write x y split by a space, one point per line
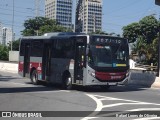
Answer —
116 13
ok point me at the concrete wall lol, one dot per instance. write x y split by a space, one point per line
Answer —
10 67
142 78
14 56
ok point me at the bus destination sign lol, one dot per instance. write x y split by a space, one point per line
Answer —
108 40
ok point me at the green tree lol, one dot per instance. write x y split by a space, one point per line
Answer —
131 31
4 53
147 28
41 25
100 32
145 33
15 45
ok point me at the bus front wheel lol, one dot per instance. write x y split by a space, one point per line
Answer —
67 83
34 77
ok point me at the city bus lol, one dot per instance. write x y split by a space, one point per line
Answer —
72 59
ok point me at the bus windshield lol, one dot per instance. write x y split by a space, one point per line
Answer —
108 55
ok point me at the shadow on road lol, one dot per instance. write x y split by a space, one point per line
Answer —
26 89
129 88
50 87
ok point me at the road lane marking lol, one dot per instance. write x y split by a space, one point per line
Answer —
118 104
112 98
98 108
98 99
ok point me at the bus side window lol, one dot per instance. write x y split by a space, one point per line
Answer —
37 48
22 48
63 49
69 49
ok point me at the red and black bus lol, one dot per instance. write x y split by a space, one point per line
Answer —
75 59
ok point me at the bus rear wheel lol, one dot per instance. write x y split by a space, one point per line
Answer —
67 83
34 77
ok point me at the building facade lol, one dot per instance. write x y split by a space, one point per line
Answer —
0 33
7 35
88 16
60 10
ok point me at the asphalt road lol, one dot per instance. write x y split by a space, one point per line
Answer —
20 97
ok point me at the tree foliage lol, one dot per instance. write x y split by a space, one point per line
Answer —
131 31
147 28
15 45
4 52
145 35
41 25
99 32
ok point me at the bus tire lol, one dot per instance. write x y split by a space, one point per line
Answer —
34 77
67 83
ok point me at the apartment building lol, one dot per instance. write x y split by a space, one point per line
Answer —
88 16
7 35
0 33
60 10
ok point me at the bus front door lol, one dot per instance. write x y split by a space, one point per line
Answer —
79 63
46 61
26 60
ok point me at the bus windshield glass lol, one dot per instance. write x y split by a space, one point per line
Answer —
115 55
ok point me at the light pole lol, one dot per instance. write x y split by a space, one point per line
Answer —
157 2
12 27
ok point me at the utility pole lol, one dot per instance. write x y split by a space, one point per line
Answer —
157 2
37 6
12 27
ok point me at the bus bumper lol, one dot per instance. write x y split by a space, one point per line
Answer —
95 82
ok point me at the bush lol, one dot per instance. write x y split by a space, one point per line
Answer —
4 53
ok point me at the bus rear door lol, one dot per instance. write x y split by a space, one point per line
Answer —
80 59
26 59
46 61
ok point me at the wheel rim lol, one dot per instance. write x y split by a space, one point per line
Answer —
68 81
34 78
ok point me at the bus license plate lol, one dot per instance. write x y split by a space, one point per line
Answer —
112 83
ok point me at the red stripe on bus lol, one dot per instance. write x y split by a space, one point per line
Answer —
110 76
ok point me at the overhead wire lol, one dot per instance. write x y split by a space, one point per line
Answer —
126 17
125 6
